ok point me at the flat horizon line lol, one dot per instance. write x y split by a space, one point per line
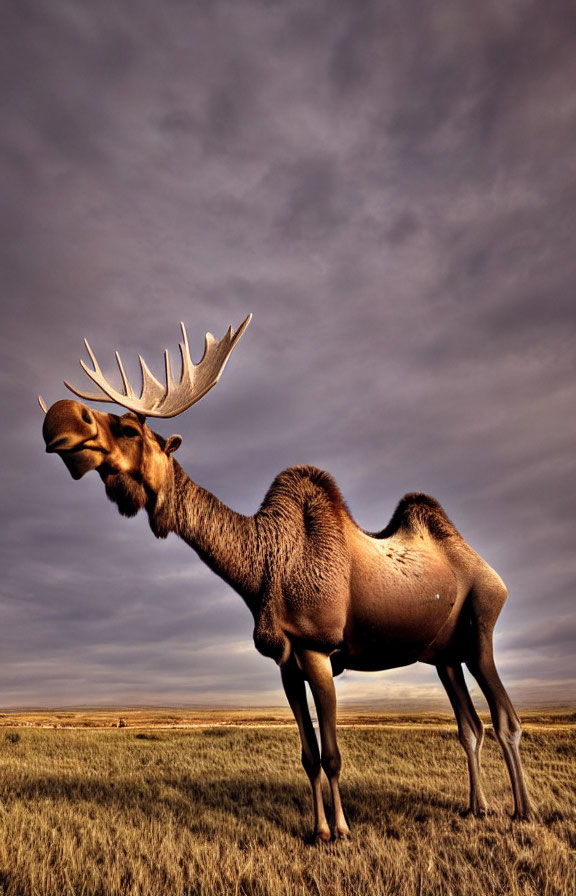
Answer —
344 707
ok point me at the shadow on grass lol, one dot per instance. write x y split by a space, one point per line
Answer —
401 800
218 804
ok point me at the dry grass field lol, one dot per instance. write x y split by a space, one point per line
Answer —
166 811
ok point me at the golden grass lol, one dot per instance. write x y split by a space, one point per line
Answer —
226 811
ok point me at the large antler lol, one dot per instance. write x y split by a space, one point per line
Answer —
157 400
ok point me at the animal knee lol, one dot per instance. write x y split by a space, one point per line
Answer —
311 764
332 763
468 740
511 733
471 738
508 728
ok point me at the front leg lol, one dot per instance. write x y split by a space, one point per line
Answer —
317 670
295 690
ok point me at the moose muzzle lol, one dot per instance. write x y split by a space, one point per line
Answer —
70 430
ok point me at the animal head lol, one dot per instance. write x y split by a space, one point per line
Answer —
132 461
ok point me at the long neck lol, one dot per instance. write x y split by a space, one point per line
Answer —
227 541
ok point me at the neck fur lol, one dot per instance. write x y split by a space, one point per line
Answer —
225 540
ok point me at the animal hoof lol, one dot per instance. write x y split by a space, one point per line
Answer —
324 835
342 835
478 812
482 812
527 815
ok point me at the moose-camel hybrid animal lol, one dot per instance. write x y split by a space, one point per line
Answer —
325 595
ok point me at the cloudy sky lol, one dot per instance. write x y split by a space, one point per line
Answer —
390 188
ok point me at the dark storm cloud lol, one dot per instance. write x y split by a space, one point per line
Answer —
390 189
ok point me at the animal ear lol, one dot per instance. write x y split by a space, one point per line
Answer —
172 444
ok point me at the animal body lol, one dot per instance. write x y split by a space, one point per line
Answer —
324 594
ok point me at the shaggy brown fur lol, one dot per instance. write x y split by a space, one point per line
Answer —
124 491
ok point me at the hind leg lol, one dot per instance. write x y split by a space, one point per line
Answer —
470 731
486 603
506 724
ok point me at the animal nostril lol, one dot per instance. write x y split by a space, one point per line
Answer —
57 444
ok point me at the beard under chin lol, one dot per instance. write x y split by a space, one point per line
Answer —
129 495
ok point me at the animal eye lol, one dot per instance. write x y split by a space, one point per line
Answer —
130 431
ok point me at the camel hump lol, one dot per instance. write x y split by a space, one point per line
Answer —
302 483
419 511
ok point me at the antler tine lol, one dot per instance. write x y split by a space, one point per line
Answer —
152 391
96 376
157 400
128 390
168 371
92 358
187 363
